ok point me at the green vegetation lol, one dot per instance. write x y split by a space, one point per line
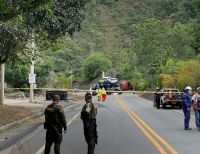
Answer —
94 65
151 43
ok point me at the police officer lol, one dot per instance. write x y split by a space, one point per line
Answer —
186 104
157 98
54 123
88 116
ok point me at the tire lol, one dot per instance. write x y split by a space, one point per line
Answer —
163 106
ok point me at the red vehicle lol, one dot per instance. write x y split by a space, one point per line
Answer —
125 85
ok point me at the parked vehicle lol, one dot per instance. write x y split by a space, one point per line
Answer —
125 85
116 87
106 78
107 85
170 96
113 80
50 94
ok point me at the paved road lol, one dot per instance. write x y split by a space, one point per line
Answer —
127 124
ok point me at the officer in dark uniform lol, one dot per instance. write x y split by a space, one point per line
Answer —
88 116
157 98
54 123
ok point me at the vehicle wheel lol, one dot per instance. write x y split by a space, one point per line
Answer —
163 106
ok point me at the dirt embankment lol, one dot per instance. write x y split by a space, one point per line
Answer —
11 114
147 96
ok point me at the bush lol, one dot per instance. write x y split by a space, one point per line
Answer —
94 65
142 85
188 74
17 75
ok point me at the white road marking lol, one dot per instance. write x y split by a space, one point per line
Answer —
42 148
182 113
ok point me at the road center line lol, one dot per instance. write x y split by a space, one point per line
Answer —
171 149
42 148
149 136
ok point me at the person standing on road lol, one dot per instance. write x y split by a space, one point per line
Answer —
55 121
196 107
157 98
103 94
88 116
186 104
99 94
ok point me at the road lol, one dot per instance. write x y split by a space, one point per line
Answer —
127 124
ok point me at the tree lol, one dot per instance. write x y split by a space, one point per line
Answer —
94 65
196 43
43 19
155 41
187 74
17 75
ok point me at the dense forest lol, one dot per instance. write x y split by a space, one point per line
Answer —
150 43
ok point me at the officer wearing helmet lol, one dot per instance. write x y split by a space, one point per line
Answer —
186 104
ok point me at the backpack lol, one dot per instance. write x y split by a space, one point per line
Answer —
84 113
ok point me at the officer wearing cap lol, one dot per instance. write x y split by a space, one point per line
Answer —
186 105
88 116
55 121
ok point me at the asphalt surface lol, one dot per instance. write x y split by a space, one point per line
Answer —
127 124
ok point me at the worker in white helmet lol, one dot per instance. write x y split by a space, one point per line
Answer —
186 104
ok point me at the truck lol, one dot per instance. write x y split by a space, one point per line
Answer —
50 94
170 96
125 85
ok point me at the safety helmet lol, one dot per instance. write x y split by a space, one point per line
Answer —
188 88
157 88
198 88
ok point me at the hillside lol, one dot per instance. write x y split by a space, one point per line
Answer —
146 42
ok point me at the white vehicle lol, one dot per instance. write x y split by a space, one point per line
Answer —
107 78
113 80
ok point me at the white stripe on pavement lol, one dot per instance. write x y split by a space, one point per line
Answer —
182 113
42 148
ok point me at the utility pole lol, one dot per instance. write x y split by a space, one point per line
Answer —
32 75
103 74
71 79
2 83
